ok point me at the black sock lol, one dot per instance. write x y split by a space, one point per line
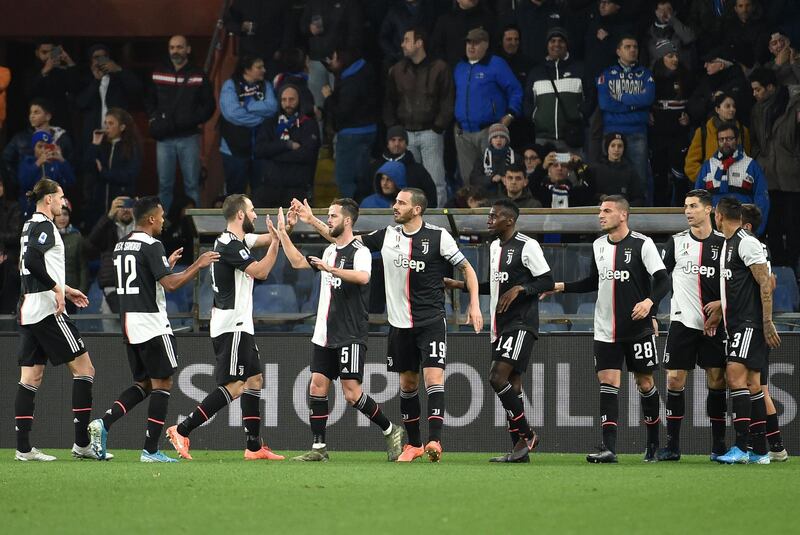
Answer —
156 416
609 411
741 416
435 412
251 417
23 412
676 410
318 417
82 407
513 431
515 410
410 410
651 404
367 406
774 433
126 401
211 405
758 424
716 408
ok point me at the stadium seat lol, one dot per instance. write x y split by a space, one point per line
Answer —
274 299
310 305
551 310
96 297
664 305
787 280
783 300
587 325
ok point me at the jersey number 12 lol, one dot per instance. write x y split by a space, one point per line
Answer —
126 265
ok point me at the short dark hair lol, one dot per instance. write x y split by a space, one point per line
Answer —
619 200
764 76
729 126
702 195
144 206
516 167
730 207
245 62
45 104
511 27
509 206
720 98
624 37
44 186
751 214
349 207
418 198
420 34
233 204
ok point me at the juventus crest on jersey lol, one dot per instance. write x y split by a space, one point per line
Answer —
516 262
140 262
414 268
36 301
343 310
740 292
694 265
233 288
623 270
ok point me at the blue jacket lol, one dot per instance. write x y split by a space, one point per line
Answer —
485 92
743 179
29 174
625 95
243 118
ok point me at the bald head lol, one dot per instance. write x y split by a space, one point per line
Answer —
179 50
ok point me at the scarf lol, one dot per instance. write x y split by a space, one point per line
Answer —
248 91
721 174
286 123
492 157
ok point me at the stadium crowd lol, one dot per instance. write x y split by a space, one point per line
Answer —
550 103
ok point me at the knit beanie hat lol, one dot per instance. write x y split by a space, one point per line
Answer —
664 47
611 136
499 129
396 131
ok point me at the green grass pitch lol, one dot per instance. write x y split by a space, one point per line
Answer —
360 492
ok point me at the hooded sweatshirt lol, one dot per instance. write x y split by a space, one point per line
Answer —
394 170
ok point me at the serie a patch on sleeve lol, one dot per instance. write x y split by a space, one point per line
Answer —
244 254
42 238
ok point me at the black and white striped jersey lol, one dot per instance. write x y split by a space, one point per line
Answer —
740 292
694 266
414 268
140 261
343 310
516 262
36 301
233 288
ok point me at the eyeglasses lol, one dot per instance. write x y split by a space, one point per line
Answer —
726 139
531 158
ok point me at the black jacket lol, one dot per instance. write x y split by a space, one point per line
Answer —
273 26
447 39
119 174
59 86
354 101
342 25
283 166
416 176
10 227
730 81
399 19
535 21
612 178
179 101
100 243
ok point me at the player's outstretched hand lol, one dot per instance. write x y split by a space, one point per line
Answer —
175 256
771 335
207 258
475 317
274 231
303 210
77 297
557 288
317 263
508 297
452 284
291 217
641 309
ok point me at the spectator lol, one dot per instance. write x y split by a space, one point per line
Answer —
469 197
706 18
10 229
776 145
330 25
108 86
39 116
179 102
117 161
537 18
419 98
604 31
721 76
46 162
746 33
389 180
76 267
352 108
785 60
416 175
704 139
730 171
515 187
288 146
402 17
293 69
465 16
557 118
245 102
179 233
490 167
669 133
626 92
558 189
509 50
54 78
487 92
105 234
666 26
613 175
532 159
263 28
5 81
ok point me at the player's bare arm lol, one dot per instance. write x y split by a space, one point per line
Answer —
761 274
304 214
176 280
293 254
474 315
347 275
260 270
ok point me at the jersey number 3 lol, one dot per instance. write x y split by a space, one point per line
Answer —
126 265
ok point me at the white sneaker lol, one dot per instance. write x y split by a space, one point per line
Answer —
779 456
33 455
86 452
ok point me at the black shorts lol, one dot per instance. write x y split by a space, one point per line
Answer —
514 348
765 371
747 346
237 357
687 348
426 345
639 356
346 362
54 338
155 359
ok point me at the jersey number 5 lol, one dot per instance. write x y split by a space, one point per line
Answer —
126 265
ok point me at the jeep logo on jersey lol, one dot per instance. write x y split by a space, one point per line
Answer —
426 246
694 269
509 256
628 255
615 274
726 274
333 282
415 265
500 276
